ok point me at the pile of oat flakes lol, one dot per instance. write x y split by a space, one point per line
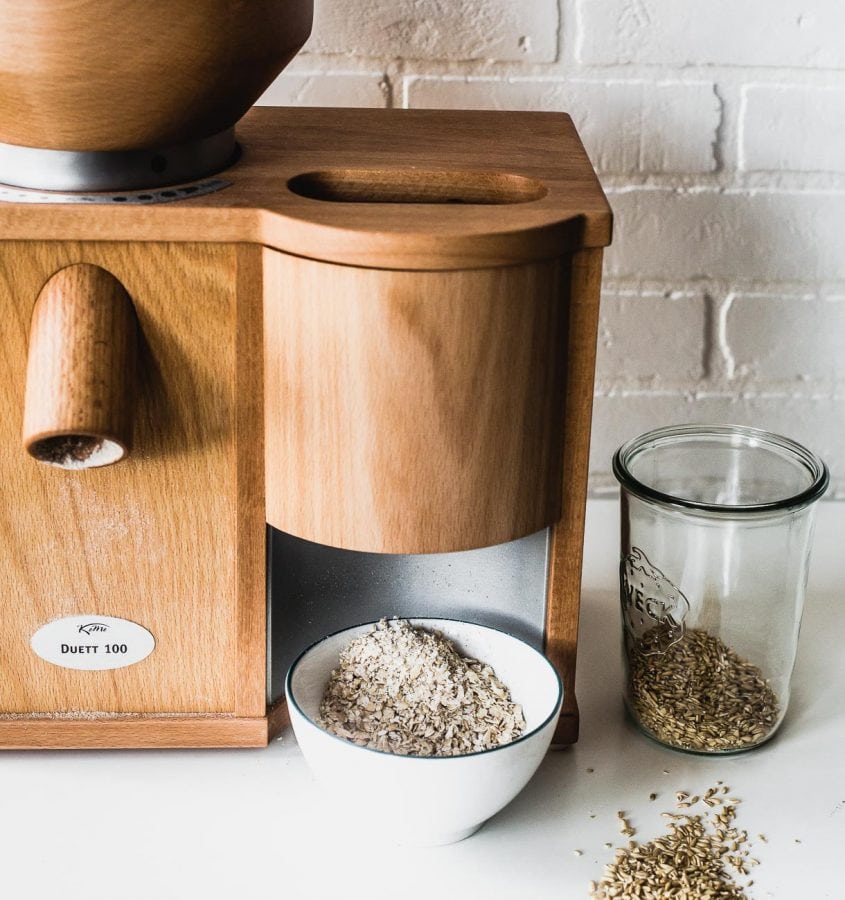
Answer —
409 691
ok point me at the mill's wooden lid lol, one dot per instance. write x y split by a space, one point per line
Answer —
404 189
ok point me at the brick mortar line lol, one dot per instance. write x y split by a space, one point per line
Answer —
626 75
675 294
716 284
724 190
563 65
726 180
696 393
560 70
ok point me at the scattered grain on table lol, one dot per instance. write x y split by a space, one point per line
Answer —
699 857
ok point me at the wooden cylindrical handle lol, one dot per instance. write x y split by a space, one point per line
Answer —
81 370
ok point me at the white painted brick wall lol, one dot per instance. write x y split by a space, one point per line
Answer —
716 32
629 356
664 233
717 130
437 29
327 89
793 127
785 341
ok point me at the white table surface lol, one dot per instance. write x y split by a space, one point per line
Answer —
252 823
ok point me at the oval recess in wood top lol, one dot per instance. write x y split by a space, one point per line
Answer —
280 144
415 186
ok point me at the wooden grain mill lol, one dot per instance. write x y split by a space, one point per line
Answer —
373 331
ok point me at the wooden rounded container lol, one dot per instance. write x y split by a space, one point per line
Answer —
118 75
429 350
416 411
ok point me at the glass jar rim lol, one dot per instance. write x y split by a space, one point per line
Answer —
670 434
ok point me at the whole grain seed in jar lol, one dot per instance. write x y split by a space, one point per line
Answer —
716 535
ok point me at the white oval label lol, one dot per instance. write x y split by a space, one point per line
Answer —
92 642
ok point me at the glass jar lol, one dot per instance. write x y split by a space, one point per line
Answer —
717 526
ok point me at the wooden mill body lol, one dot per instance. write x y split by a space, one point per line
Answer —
380 336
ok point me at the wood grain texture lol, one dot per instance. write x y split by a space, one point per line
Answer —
111 75
280 144
142 731
339 185
154 732
413 412
427 386
81 371
156 538
250 520
278 719
567 539
567 729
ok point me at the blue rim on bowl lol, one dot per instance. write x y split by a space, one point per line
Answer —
523 737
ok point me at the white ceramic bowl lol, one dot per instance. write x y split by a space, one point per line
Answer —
417 800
